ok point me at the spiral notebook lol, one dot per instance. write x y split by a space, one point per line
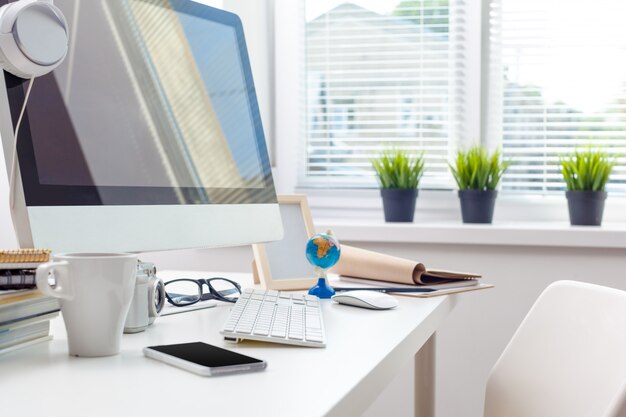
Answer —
17 268
23 258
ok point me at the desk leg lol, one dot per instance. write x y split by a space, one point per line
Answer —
425 380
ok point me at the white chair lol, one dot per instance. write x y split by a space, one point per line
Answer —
567 358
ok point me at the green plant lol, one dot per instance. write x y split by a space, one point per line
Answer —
475 169
397 168
587 170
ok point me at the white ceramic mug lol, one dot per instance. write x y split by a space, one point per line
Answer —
95 291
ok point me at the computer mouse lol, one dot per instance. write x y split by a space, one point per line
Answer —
374 300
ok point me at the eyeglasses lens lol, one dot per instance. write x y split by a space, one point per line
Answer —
183 292
226 289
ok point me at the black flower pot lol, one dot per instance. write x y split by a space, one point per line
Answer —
477 205
585 207
399 204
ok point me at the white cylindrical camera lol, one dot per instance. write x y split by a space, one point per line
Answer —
148 299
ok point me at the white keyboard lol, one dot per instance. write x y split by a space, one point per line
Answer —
278 317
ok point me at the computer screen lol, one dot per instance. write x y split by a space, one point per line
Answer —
147 137
151 106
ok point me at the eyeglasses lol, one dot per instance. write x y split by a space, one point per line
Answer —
185 291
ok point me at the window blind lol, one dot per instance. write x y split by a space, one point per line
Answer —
378 75
557 80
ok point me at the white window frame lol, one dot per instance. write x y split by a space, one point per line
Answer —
441 205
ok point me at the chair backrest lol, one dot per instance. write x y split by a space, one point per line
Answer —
567 358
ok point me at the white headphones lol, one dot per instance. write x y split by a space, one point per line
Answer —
34 38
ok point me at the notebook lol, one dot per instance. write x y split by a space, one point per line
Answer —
17 279
23 258
348 282
17 267
364 264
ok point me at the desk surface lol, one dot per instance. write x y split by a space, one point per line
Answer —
366 349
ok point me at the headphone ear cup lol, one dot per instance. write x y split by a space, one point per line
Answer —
6 65
33 38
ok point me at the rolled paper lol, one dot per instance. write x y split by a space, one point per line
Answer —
361 263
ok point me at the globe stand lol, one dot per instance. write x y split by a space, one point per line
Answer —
322 289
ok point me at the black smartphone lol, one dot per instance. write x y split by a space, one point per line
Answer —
204 359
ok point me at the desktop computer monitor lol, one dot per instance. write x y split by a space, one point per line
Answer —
148 137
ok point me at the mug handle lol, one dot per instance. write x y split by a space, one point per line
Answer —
63 288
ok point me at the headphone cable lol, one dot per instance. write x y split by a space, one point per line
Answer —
13 172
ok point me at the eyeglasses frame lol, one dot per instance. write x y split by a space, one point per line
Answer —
213 293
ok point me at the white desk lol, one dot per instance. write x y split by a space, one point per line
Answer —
366 349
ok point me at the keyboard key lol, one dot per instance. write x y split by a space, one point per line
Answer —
295 336
246 329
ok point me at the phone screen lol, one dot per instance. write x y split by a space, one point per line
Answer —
205 355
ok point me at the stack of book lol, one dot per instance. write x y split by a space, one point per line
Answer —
25 313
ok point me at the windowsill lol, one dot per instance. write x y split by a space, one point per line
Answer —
546 234
520 220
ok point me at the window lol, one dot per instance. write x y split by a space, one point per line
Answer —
379 73
557 80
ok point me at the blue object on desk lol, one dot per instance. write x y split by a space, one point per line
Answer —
322 251
322 289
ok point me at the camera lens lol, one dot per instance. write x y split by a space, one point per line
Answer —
159 296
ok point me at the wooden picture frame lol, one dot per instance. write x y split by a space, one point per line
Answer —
282 265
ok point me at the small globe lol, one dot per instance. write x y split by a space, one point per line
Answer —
323 250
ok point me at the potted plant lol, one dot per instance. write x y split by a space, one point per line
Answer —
477 173
399 173
586 173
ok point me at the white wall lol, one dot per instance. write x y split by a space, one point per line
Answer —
219 260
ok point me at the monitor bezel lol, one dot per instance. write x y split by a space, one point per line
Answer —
38 194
